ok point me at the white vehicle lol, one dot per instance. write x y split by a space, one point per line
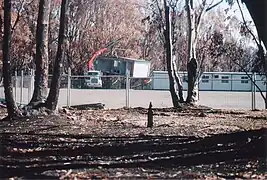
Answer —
93 79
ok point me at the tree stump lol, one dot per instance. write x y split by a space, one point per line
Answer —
150 116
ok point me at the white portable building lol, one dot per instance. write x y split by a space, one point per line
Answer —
212 81
160 80
261 82
141 69
221 81
241 81
206 82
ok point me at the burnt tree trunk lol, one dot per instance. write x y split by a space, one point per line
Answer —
169 57
52 99
41 57
12 108
150 116
192 79
257 10
192 65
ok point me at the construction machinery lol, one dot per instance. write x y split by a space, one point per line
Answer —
93 77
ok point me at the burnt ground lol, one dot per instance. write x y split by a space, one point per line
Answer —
194 143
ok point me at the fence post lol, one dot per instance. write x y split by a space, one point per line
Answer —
253 92
255 79
69 87
16 76
198 96
31 85
252 89
127 85
21 86
127 91
32 80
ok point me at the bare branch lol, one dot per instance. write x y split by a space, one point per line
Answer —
243 69
160 13
18 16
213 6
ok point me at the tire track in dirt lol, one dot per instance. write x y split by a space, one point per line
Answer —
29 155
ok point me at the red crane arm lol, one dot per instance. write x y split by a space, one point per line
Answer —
99 52
95 55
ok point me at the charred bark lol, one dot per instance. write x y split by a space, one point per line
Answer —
150 116
257 10
192 65
12 108
41 57
263 60
52 99
169 57
192 81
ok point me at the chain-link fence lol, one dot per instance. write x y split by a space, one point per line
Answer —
120 91
225 91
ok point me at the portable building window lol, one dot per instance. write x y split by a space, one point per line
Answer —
244 80
216 76
225 79
116 63
205 79
185 79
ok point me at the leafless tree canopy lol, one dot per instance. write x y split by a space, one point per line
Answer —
92 24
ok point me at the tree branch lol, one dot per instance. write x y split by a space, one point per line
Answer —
160 13
250 78
18 16
213 6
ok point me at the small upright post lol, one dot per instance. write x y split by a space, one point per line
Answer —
150 116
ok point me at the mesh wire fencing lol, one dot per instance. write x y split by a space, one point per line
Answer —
225 93
121 91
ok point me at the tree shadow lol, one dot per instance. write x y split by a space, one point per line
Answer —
28 155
